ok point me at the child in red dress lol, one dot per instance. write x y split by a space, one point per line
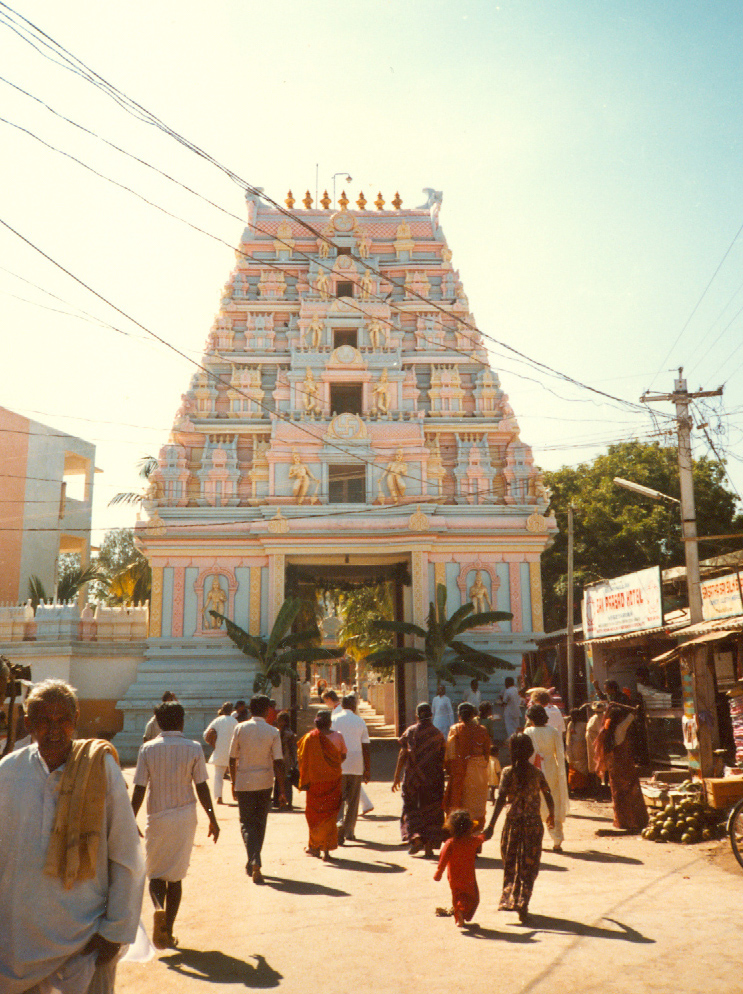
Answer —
458 856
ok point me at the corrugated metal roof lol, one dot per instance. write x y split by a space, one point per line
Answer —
734 624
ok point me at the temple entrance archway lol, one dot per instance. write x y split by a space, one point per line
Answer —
305 576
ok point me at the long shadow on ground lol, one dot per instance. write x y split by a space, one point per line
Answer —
546 923
302 887
491 863
362 867
216 967
593 856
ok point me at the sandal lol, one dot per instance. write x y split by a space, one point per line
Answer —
416 845
444 912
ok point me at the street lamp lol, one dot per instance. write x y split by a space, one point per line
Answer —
645 491
349 179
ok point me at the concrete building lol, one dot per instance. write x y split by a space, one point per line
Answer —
46 496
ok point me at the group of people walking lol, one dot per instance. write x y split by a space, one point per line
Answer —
71 867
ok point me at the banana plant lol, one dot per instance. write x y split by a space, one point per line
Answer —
278 655
443 651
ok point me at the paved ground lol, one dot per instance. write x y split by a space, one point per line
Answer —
611 914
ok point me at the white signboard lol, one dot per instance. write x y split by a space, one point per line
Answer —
721 597
630 603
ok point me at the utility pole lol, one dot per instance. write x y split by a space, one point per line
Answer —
570 641
702 677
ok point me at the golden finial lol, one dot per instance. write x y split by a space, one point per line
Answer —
325 200
396 201
361 202
343 201
289 200
307 200
379 202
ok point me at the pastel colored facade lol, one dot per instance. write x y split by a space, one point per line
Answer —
46 496
346 419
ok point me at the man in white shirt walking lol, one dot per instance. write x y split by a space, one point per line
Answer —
256 757
473 695
443 712
218 735
171 766
356 766
511 702
56 932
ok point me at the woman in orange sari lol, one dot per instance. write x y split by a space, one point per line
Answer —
321 754
466 762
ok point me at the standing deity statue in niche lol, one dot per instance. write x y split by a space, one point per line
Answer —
364 244
310 394
216 600
395 477
377 331
367 285
324 247
315 330
302 476
322 285
479 595
381 395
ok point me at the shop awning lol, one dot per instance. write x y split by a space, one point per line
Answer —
625 636
716 636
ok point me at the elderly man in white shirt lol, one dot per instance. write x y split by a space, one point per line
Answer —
256 757
171 766
218 735
53 936
356 766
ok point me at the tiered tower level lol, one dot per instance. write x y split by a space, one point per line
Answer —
345 412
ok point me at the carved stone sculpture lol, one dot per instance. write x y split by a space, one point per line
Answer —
310 394
395 477
302 476
216 600
478 594
381 395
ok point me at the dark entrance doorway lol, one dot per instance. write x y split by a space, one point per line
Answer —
303 580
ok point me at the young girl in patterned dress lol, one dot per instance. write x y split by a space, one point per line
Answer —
521 841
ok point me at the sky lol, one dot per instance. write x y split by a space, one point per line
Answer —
589 154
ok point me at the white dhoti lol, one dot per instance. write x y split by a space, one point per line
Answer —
168 842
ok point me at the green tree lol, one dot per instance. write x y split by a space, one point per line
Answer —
618 532
278 655
128 573
359 610
145 467
71 577
444 653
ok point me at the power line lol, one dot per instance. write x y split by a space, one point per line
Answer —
76 65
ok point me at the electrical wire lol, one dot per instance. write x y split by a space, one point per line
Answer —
76 65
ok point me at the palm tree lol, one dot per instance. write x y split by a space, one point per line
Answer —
73 577
278 655
444 653
145 467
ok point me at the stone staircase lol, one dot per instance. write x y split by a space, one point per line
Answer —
378 729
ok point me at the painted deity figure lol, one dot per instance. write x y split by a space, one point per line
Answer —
364 245
367 285
377 331
302 476
381 395
322 285
310 394
315 330
216 600
479 595
395 477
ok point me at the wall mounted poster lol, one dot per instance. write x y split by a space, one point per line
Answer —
629 603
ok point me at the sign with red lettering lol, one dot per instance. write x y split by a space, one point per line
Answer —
721 597
630 603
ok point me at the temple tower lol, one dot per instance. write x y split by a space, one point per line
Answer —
345 417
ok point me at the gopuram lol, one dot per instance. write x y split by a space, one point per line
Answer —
344 424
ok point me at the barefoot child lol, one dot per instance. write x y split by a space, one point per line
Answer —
458 856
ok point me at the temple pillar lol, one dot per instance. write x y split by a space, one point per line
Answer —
276 581
535 580
156 603
254 625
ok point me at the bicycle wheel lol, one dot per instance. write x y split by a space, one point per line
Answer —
735 830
